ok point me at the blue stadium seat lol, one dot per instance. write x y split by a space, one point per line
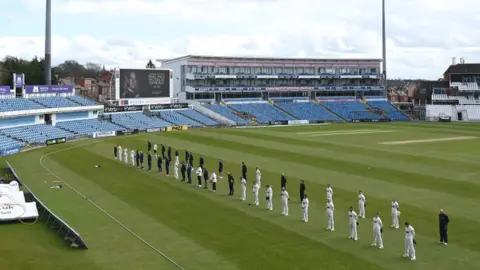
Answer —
199 117
177 119
137 121
89 126
307 111
36 134
18 104
263 112
7 143
351 110
227 113
55 102
392 112
82 101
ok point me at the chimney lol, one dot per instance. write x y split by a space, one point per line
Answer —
454 61
462 60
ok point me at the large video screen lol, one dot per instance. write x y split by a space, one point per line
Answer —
144 83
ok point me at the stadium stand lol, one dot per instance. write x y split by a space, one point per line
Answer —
88 127
307 111
7 143
351 110
263 112
392 112
36 134
198 117
56 102
226 112
138 121
176 118
82 101
18 104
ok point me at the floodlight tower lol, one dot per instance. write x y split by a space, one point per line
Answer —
384 46
48 43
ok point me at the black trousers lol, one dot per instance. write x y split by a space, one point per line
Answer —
230 187
159 168
183 176
149 166
189 178
205 181
138 162
167 170
199 179
214 186
443 235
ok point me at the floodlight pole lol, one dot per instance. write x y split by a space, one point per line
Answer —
384 46
48 43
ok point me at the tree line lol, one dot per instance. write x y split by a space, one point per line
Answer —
34 70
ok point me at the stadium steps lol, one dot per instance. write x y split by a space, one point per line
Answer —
195 120
332 112
71 131
159 117
315 101
240 114
404 113
371 109
282 110
75 102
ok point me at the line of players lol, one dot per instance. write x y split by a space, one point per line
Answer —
187 167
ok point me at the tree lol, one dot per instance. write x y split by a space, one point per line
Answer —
33 70
150 64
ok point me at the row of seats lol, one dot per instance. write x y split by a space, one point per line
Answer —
351 110
177 118
227 113
307 111
36 134
138 121
19 104
88 126
465 86
7 143
198 117
263 112
392 112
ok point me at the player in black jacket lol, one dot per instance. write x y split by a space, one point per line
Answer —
183 170
115 151
169 152
205 178
186 156
220 169
244 171
163 151
189 173
141 159
137 158
149 161
149 146
201 161
167 167
443 221
231 182
159 163
283 181
191 159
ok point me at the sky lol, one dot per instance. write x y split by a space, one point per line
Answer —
422 35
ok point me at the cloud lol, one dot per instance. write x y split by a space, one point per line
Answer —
422 35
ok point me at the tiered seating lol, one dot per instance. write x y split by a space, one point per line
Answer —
351 110
36 133
263 112
391 111
56 102
18 104
177 119
138 121
83 101
225 112
7 143
89 126
198 117
307 111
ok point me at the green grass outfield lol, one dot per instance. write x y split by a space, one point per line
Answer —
199 229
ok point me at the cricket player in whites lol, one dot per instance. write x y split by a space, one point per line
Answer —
120 152
132 157
269 198
353 220
175 168
256 188
329 193
285 198
409 242
395 214
305 204
330 219
377 231
361 204
258 176
243 189
125 154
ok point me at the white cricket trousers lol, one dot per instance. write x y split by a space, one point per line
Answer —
305 214
255 198
133 160
126 159
120 156
353 230
395 219
330 221
243 193
361 209
285 207
175 169
377 237
409 248
270 204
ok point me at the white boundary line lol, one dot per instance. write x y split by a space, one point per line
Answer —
98 207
